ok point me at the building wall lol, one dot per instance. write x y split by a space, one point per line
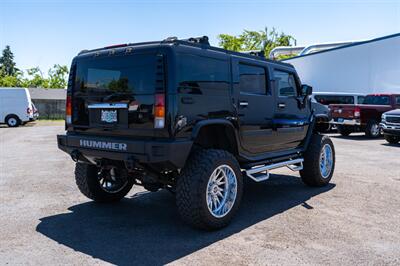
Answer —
50 108
367 68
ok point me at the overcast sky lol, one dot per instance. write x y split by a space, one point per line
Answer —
43 33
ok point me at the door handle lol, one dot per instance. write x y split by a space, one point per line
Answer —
281 105
243 104
187 100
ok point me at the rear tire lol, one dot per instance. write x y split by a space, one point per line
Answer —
372 130
319 161
392 139
13 121
201 182
344 130
89 177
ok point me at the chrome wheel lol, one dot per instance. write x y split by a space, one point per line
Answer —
221 191
375 131
326 160
111 180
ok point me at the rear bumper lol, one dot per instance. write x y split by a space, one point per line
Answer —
393 130
172 154
345 122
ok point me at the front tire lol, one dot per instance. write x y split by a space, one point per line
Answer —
319 161
102 185
209 189
392 139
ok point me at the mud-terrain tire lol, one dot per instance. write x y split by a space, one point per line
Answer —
12 121
344 130
372 129
392 139
196 189
318 168
88 181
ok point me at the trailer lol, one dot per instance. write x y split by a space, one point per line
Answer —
371 66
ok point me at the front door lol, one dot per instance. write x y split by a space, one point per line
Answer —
292 114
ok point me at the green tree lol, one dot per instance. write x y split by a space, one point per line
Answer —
9 81
35 79
7 64
58 76
264 40
11 76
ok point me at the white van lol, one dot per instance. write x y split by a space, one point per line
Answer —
16 107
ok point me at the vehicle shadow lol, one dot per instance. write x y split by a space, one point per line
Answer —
146 228
355 137
391 145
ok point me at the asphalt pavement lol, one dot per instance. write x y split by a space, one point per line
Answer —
45 220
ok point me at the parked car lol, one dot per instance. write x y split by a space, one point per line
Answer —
191 118
16 107
327 98
364 117
390 126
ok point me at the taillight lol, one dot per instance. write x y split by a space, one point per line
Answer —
159 111
28 110
357 112
68 110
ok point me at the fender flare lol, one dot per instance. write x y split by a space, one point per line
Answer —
218 122
209 122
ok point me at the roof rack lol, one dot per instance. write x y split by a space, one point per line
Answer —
202 42
255 53
195 40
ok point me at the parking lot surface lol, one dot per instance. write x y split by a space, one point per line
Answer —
45 220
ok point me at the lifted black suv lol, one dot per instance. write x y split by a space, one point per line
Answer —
191 118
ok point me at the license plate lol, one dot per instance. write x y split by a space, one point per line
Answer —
340 120
109 116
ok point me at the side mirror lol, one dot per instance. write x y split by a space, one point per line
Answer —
306 90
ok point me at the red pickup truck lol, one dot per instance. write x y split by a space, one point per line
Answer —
363 117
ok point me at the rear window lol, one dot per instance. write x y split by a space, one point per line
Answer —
133 74
334 99
199 74
377 100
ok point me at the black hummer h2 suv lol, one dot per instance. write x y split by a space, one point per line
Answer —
190 118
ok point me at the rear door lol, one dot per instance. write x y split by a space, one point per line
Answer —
116 94
255 105
291 116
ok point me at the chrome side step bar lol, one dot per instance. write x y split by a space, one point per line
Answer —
294 165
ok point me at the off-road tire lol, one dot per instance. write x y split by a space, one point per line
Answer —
392 139
345 131
192 185
311 173
87 181
11 118
368 129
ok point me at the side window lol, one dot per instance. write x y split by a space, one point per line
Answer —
398 101
286 83
331 99
252 79
199 75
360 99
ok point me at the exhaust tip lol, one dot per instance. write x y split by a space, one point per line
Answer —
75 155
